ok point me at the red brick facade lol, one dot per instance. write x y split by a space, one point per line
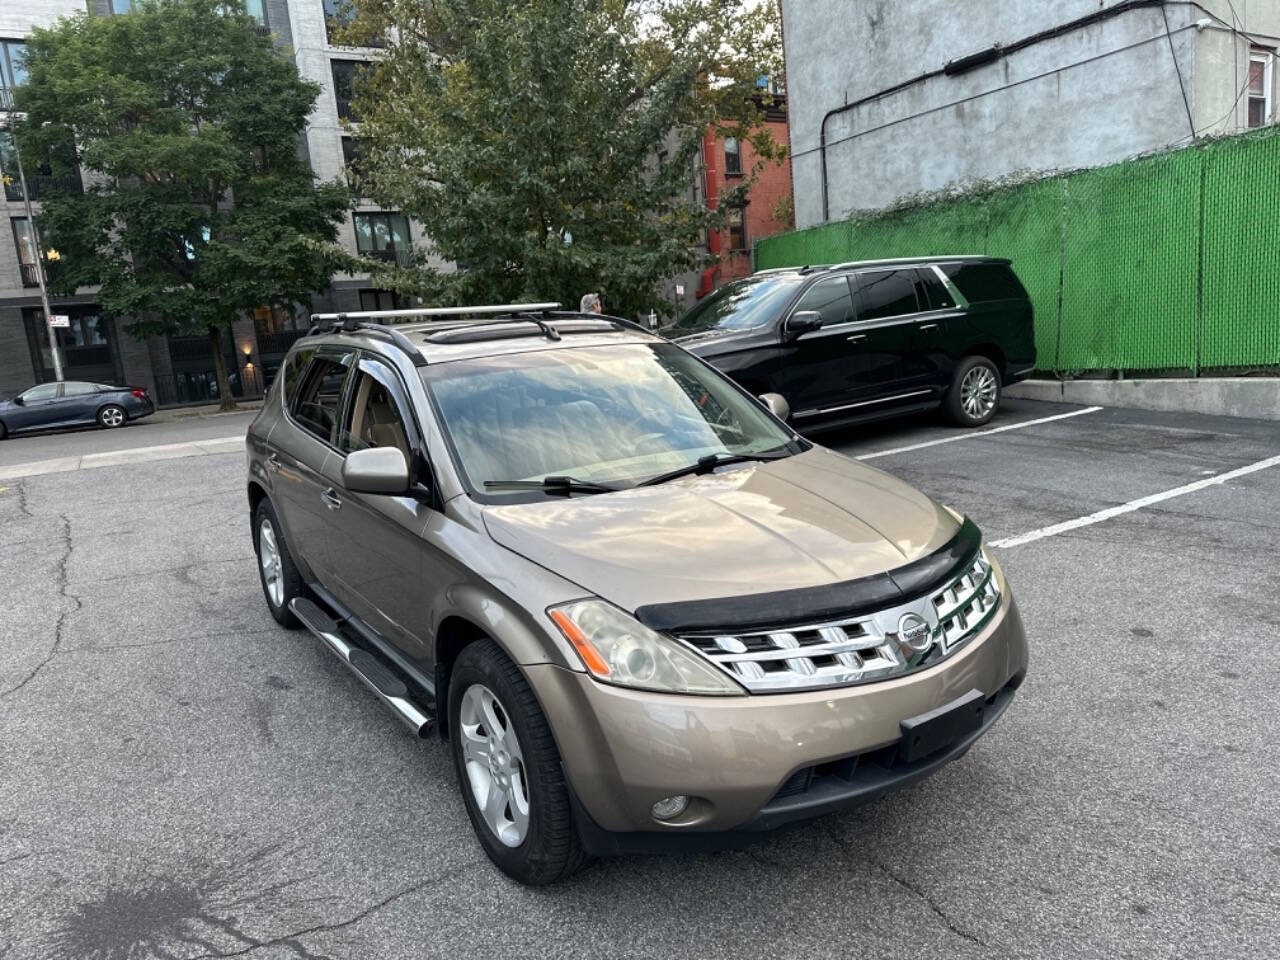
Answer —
766 210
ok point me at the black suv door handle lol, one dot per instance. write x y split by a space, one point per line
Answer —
928 326
331 499
273 461
857 338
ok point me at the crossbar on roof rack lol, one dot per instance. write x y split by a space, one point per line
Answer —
495 308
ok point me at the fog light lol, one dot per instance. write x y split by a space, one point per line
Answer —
671 807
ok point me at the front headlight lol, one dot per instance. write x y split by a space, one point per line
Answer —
616 648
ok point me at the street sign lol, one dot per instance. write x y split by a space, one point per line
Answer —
60 320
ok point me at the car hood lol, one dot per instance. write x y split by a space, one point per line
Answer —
812 519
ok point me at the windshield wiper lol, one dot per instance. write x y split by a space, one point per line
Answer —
710 462
562 485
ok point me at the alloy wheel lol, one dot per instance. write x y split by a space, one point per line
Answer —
269 558
494 765
978 392
112 417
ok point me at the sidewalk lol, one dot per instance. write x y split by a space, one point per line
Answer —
1257 398
113 458
174 414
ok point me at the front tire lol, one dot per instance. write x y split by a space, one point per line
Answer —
974 396
112 416
281 581
509 770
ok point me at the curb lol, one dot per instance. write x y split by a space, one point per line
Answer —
1256 398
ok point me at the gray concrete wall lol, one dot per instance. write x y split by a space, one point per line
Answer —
1094 96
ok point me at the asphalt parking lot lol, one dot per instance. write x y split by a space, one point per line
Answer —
181 778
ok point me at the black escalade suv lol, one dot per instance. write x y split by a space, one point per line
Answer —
870 339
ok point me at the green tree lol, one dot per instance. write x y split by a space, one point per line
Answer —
200 206
523 135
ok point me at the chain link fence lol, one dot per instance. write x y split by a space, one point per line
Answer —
1163 263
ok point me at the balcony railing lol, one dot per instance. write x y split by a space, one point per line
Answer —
29 276
270 344
399 256
42 186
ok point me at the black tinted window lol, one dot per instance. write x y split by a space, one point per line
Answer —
319 398
984 281
293 372
830 297
886 293
933 292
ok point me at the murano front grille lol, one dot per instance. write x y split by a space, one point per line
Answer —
876 646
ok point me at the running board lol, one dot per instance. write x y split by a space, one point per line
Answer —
376 675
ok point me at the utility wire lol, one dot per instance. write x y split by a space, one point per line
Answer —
1173 55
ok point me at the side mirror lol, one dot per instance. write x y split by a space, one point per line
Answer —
381 470
803 322
776 404
18 400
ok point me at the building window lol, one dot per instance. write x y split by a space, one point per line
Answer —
382 300
1259 87
13 64
732 157
383 236
257 12
351 159
737 229
345 74
121 6
25 240
338 14
41 180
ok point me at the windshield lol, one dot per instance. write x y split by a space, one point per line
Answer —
615 414
739 306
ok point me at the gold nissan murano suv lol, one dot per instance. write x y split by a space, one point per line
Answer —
643 611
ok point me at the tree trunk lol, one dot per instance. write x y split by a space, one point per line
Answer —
220 367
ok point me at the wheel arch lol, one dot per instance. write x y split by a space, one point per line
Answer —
993 352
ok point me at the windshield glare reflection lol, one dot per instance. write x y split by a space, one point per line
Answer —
614 414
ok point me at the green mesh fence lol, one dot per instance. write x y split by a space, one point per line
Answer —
1161 263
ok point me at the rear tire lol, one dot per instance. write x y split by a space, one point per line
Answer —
281 581
112 416
534 840
974 396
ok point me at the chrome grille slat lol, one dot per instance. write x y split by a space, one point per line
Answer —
857 649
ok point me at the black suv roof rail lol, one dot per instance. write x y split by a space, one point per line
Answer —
345 323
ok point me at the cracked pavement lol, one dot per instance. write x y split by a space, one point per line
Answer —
180 778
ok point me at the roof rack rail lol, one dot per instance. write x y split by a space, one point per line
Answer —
348 323
428 312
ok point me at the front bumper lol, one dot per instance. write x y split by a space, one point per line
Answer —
624 749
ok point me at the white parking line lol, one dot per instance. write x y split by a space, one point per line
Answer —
976 433
1133 505
112 458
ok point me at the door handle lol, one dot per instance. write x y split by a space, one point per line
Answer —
857 338
928 326
273 462
331 499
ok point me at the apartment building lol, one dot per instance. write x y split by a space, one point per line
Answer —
178 369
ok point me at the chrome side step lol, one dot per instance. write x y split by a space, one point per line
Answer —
376 675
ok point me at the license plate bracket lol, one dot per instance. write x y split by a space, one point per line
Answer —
930 732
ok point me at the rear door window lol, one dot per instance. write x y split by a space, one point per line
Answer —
932 291
984 281
829 297
74 388
318 405
887 293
